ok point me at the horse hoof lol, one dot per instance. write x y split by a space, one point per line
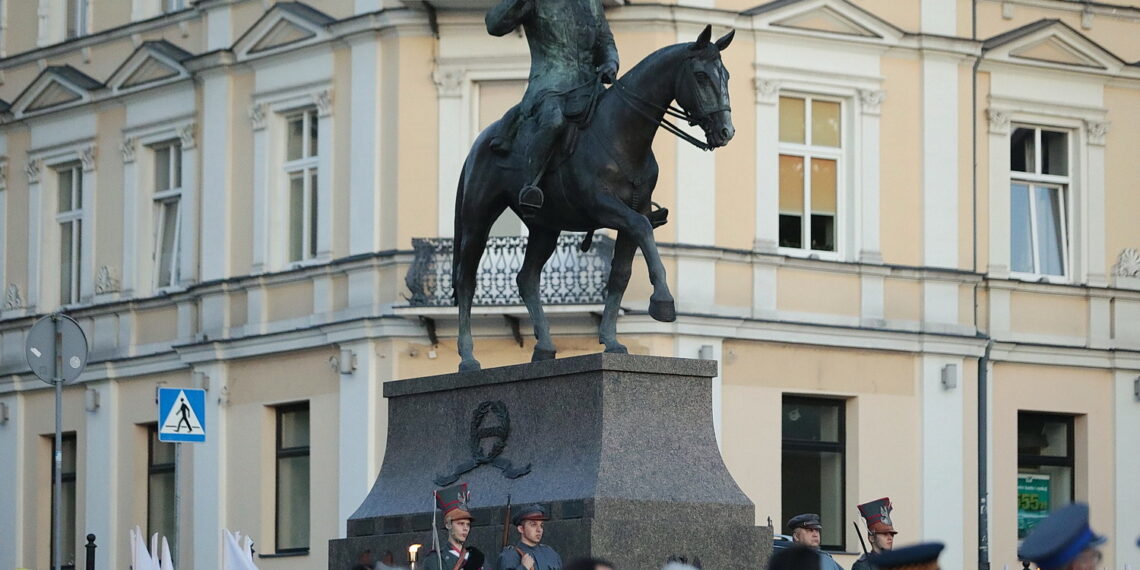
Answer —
664 311
541 354
616 348
469 366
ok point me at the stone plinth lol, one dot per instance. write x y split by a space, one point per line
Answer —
620 448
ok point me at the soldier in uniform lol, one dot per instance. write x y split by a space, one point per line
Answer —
570 45
805 530
918 557
457 521
1063 541
880 530
529 553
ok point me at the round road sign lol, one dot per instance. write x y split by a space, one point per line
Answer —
56 349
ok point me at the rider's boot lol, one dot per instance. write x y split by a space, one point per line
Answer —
531 197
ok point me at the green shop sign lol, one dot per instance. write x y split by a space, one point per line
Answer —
1032 501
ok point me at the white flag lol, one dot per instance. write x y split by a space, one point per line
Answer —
237 552
164 562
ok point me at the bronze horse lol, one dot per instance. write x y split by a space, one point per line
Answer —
607 181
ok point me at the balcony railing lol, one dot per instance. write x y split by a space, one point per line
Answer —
570 276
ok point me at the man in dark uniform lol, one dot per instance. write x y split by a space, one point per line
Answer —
457 520
805 530
529 553
1063 541
880 530
918 557
570 44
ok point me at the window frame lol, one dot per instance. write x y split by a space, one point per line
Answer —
308 167
74 218
1030 461
162 199
1062 184
288 453
153 469
841 155
75 24
839 447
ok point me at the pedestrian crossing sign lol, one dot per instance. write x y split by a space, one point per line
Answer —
181 415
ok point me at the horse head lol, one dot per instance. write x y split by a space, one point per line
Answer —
702 88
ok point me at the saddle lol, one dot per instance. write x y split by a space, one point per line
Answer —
577 106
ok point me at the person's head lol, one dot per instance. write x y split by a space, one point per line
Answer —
589 564
1063 541
805 529
458 525
880 528
530 521
922 556
795 557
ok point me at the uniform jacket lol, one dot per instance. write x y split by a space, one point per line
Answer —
545 558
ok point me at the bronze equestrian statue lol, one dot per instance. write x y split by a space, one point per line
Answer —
600 171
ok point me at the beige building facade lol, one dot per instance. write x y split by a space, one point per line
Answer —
916 264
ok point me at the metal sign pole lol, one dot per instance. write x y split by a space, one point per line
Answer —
177 503
57 500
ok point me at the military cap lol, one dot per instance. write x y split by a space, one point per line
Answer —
452 501
922 556
530 513
806 520
1058 539
878 515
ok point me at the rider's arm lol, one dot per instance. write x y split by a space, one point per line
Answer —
508 15
605 51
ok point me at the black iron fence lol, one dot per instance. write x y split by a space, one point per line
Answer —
570 276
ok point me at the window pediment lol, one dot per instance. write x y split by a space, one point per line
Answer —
56 87
286 25
153 63
826 17
1051 43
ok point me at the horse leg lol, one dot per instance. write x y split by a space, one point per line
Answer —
620 270
464 281
539 246
614 213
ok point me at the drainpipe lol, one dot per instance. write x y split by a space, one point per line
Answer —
984 361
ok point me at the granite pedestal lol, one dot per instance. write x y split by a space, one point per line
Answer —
620 448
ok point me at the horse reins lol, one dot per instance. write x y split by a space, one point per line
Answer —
632 98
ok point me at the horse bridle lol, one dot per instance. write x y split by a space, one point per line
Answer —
706 110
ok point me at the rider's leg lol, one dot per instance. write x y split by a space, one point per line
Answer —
546 130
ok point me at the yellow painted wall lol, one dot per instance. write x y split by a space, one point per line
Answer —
902 300
900 194
241 176
1122 201
1056 389
1118 35
290 300
733 284
1039 313
417 162
108 246
156 325
817 292
16 217
735 163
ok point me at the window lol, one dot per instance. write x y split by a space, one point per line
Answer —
301 173
160 489
814 463
173 5
810 162
1045 463
1039 173
67 501
70 218
168 220
76 18
293 478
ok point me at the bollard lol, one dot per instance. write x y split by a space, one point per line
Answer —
90 552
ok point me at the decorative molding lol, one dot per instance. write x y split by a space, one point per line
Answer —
449 82
999 120
33 167
87 157
127 147
257 116
323 99
872 100
1128 263
767 90
186 136
4 175
1097 131
105 282
12 299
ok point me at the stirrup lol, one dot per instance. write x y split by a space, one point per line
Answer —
657 215
531 198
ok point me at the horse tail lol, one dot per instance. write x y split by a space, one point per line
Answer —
457 240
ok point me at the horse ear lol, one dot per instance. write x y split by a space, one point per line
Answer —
703 40
725 40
